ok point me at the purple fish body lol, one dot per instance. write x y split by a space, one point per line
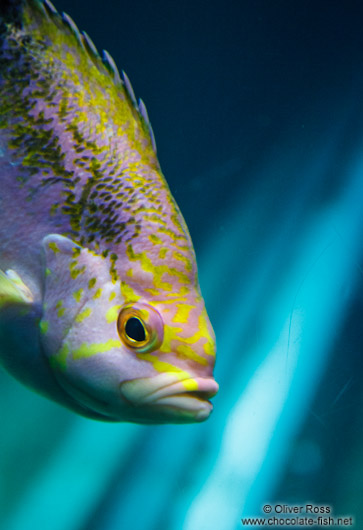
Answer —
100 306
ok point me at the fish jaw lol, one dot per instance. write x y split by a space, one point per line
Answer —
171 397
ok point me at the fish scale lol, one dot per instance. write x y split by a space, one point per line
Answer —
96 237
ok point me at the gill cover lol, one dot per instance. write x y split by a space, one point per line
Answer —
81 304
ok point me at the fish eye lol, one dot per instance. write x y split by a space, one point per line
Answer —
135 329
140 327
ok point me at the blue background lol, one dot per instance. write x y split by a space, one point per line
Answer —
258 117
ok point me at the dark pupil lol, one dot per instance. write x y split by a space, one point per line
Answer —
135 330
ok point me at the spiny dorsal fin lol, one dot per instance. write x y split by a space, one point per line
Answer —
11 12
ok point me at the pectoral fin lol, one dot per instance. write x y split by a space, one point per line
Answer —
13 290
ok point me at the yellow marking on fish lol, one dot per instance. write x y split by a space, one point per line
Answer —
163 252
61 309
83 314
78 295
169 233
59 360
87 350
153 292
155 239
43 325
190 384
202 333
162 366
170 334
175 237
128 293
182 314
184 259
53 209
157 270
148 210
74 272
97 294
157 219
112 296
76 251
209 348
112 313
164 301
53 246
203 327
47 272
92 283
185 289
187 352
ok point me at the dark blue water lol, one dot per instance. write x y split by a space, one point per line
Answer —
258 117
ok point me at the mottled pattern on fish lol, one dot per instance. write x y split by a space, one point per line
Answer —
78 159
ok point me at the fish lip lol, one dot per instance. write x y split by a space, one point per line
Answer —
186 404
206 389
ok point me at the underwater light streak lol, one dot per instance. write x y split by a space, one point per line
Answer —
323 276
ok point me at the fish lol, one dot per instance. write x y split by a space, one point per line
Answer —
100 305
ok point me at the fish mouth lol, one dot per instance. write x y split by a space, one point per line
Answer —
170 395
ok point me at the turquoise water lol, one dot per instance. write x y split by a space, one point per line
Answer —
258 118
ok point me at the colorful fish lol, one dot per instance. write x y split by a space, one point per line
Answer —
100 306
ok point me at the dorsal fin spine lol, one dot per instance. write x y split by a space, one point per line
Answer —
72 26
110 63
89 44
50 7
129 88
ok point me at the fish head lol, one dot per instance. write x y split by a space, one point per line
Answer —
177 343
142 361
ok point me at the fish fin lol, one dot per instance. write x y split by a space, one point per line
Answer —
13 291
